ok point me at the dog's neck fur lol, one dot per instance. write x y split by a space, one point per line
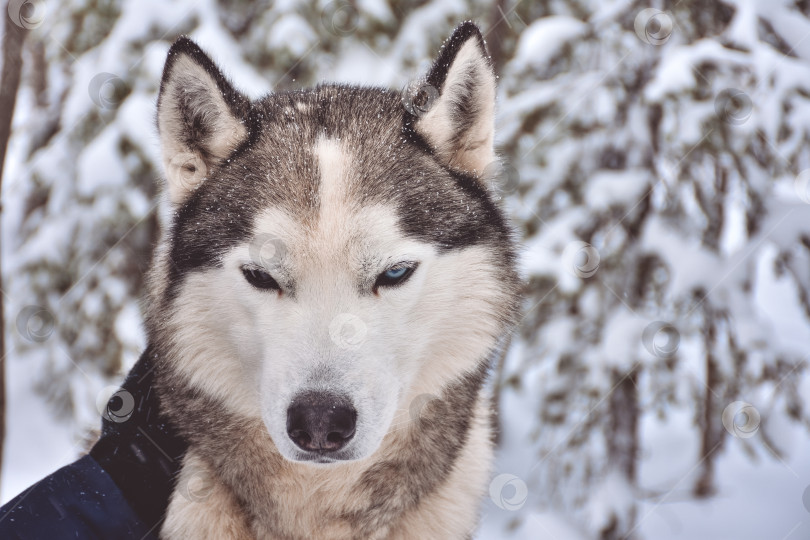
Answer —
364 497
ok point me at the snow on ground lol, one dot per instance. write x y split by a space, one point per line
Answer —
755 500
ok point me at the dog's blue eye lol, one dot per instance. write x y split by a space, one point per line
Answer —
260 279
396 273
394 276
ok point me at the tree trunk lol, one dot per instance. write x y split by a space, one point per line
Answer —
622 445
13 38
711 434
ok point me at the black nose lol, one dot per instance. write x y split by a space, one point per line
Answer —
320 421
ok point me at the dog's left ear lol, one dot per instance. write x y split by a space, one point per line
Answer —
201 118
459 123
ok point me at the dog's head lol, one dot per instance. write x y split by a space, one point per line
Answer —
333 253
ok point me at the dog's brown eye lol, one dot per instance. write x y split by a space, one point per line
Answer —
260 279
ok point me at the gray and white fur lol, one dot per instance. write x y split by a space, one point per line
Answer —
322 395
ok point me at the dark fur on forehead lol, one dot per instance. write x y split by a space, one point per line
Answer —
276 167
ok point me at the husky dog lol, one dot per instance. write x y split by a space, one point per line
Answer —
326 302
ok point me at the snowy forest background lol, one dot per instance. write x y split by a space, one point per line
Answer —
657 166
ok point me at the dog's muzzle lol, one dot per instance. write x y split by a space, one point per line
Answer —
321 422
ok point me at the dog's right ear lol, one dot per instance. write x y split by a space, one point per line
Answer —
457 118
201 118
